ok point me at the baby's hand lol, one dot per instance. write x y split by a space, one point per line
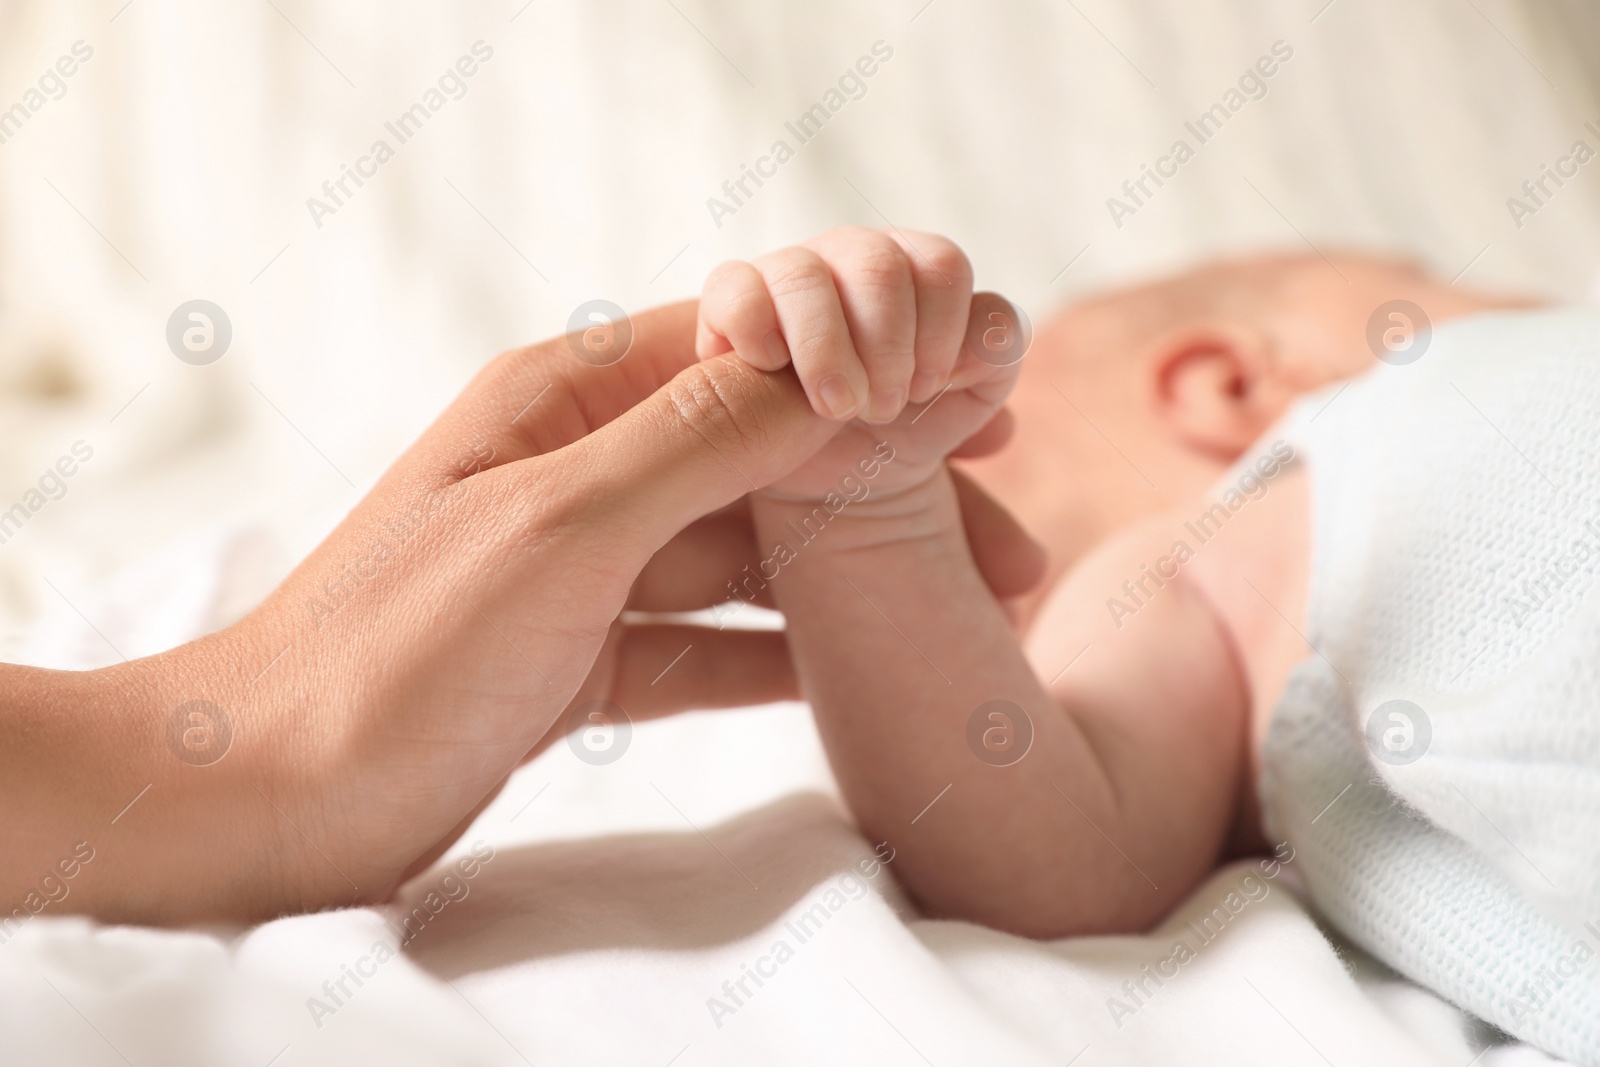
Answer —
870 321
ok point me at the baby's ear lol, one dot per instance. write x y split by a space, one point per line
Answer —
1216 385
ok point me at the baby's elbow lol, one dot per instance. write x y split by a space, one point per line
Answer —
1048 909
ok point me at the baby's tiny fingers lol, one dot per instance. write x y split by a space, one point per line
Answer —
875 289
998 333
943 278
813 321
737 313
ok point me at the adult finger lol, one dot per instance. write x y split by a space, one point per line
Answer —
942 275
713 562
704 564
664 670
542 397
716 431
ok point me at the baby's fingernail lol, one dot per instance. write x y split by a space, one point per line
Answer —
924 384
885 406
777 351
837 397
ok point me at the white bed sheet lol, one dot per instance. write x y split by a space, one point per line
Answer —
618 900
578 164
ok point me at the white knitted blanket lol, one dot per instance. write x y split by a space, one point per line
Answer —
1436 760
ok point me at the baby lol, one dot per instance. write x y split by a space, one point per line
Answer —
1286 602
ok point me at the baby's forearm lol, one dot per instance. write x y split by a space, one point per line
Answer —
900 647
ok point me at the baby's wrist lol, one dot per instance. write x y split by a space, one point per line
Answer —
859 515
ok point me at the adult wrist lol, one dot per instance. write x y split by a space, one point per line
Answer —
137 773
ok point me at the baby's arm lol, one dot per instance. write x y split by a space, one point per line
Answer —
1123 801
1125 796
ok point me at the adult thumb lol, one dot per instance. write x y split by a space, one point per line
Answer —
718 430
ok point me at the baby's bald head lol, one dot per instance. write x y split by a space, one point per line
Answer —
1138 399
1312 309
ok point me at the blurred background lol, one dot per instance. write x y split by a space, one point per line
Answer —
538 154
180 159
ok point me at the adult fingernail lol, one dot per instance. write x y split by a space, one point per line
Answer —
924 384
837 397
777 351
885 406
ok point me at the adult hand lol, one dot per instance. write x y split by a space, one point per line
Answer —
379 698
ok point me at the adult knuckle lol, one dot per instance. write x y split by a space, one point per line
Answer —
709 396
511 364
514 371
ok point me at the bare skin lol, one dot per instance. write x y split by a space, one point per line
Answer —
1231 348
1145 730
1239 605
492 566
366 739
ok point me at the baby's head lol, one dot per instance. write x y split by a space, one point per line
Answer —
1139 399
